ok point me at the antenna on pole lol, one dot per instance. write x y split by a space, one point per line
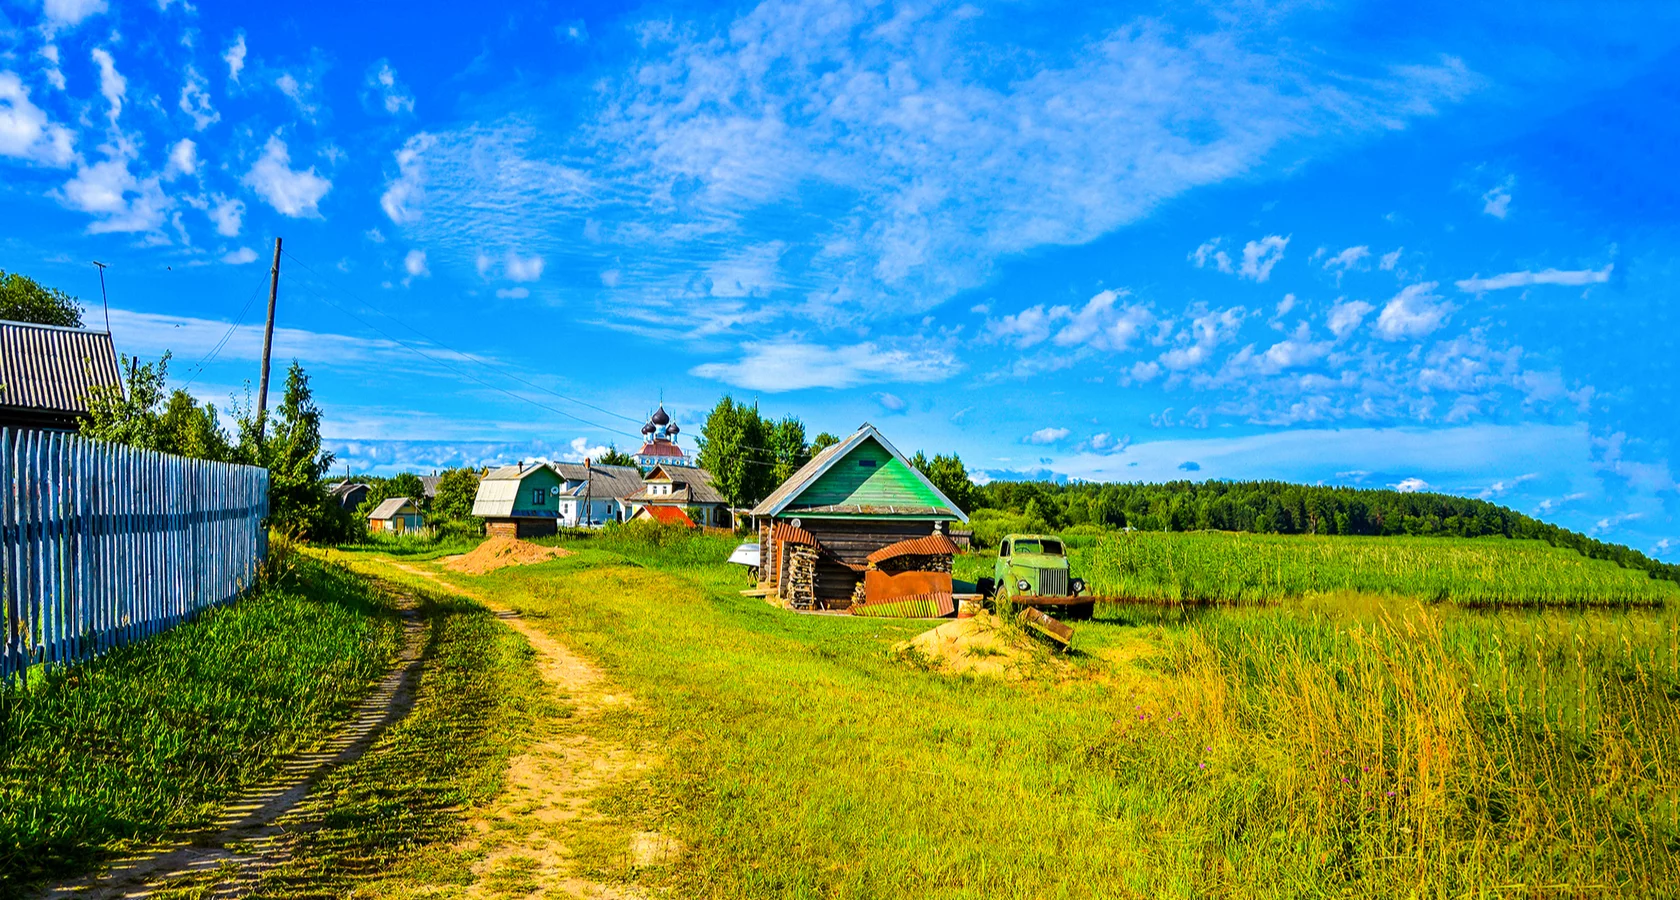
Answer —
268 344
102 301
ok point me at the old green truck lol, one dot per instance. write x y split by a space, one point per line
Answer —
1033 570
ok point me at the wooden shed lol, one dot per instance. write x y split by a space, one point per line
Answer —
817 531
396 515
519 501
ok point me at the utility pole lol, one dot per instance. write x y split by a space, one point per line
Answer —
268 343
102 301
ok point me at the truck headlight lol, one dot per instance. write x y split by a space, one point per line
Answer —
1024 584
1078 586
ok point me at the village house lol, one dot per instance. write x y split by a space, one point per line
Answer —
857 505
518 501
396 515
593 494
47 374
687 489
349 494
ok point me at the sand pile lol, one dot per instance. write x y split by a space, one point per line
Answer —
500 552
983 645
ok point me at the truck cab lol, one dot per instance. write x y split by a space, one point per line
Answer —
1033 570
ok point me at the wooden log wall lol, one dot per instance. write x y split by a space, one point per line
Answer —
102 545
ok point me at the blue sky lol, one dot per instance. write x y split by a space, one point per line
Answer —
1309 241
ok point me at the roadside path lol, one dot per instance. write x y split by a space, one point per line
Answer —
249 837
521 836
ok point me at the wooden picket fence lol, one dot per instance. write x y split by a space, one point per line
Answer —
102 545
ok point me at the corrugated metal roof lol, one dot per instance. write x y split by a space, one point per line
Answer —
697 480
604 481
786 533
495 498
932 545
389 508
52 369
669 515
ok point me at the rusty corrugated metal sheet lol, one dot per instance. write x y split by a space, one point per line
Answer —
51 369
932 545
919 606
782 532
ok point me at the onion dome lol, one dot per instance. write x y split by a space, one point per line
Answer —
673 430
648 428
661 417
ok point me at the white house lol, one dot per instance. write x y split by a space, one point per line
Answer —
594 495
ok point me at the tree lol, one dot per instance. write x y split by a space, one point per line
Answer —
23 299
292 453
130 417
456 490
187 429
731 448
822 442
949 475
615 457
787 445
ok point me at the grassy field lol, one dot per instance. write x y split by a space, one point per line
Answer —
1381 746
1224 567
115 752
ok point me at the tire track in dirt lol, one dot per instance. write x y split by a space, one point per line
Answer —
521 834
249 837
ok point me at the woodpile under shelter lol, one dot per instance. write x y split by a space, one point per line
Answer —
858 505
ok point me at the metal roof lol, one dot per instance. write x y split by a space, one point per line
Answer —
389 508
697 481
617 482
932 545
808 474
51 369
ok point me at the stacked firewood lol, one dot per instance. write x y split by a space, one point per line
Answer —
801 576
897 564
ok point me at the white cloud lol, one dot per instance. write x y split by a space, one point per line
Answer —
1102 326
1497 201
1390 260
793 365
71 12
240 257
1297 351
1028 327
1664 547
1348 260
1284 306
581 450
1209 252
1411 485
235 58
1047 436
1260 256
112 85
26 132
1208 329
404 194
228 213
195 100
892 403
294 193
1549 504
1505 485
1568 278
1345 317
1145 372
415 264
120 201
55 75
516 293
393 96
752 272
183 159
522 268
300 93
1414 312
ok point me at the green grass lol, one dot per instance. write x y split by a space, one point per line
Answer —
1373 747
390 817
148 739
1224 567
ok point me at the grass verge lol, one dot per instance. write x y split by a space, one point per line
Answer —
100 757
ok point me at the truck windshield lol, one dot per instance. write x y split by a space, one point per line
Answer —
1048 548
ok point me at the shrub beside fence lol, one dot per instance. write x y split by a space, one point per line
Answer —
101 544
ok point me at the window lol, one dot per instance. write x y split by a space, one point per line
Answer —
539 496
866 463
1005 550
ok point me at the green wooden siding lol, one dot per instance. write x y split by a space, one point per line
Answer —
539 477
851 483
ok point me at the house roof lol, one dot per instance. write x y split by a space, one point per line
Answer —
604 481
696 486
518 472
669 515
345 488
49 369
499 490
660 447
429 483
389 508
893 489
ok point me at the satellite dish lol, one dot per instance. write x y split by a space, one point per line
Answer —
796 523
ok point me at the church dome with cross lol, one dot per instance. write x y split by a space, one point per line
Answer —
661 447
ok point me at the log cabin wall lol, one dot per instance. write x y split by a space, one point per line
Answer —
850 541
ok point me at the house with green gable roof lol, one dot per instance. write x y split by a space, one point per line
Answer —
817 530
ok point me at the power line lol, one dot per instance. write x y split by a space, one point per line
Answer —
225 337
460 353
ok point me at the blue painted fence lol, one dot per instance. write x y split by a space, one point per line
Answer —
101 545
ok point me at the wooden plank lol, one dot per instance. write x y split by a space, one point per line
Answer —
1047 626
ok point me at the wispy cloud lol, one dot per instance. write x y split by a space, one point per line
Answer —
1565 277
792 366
